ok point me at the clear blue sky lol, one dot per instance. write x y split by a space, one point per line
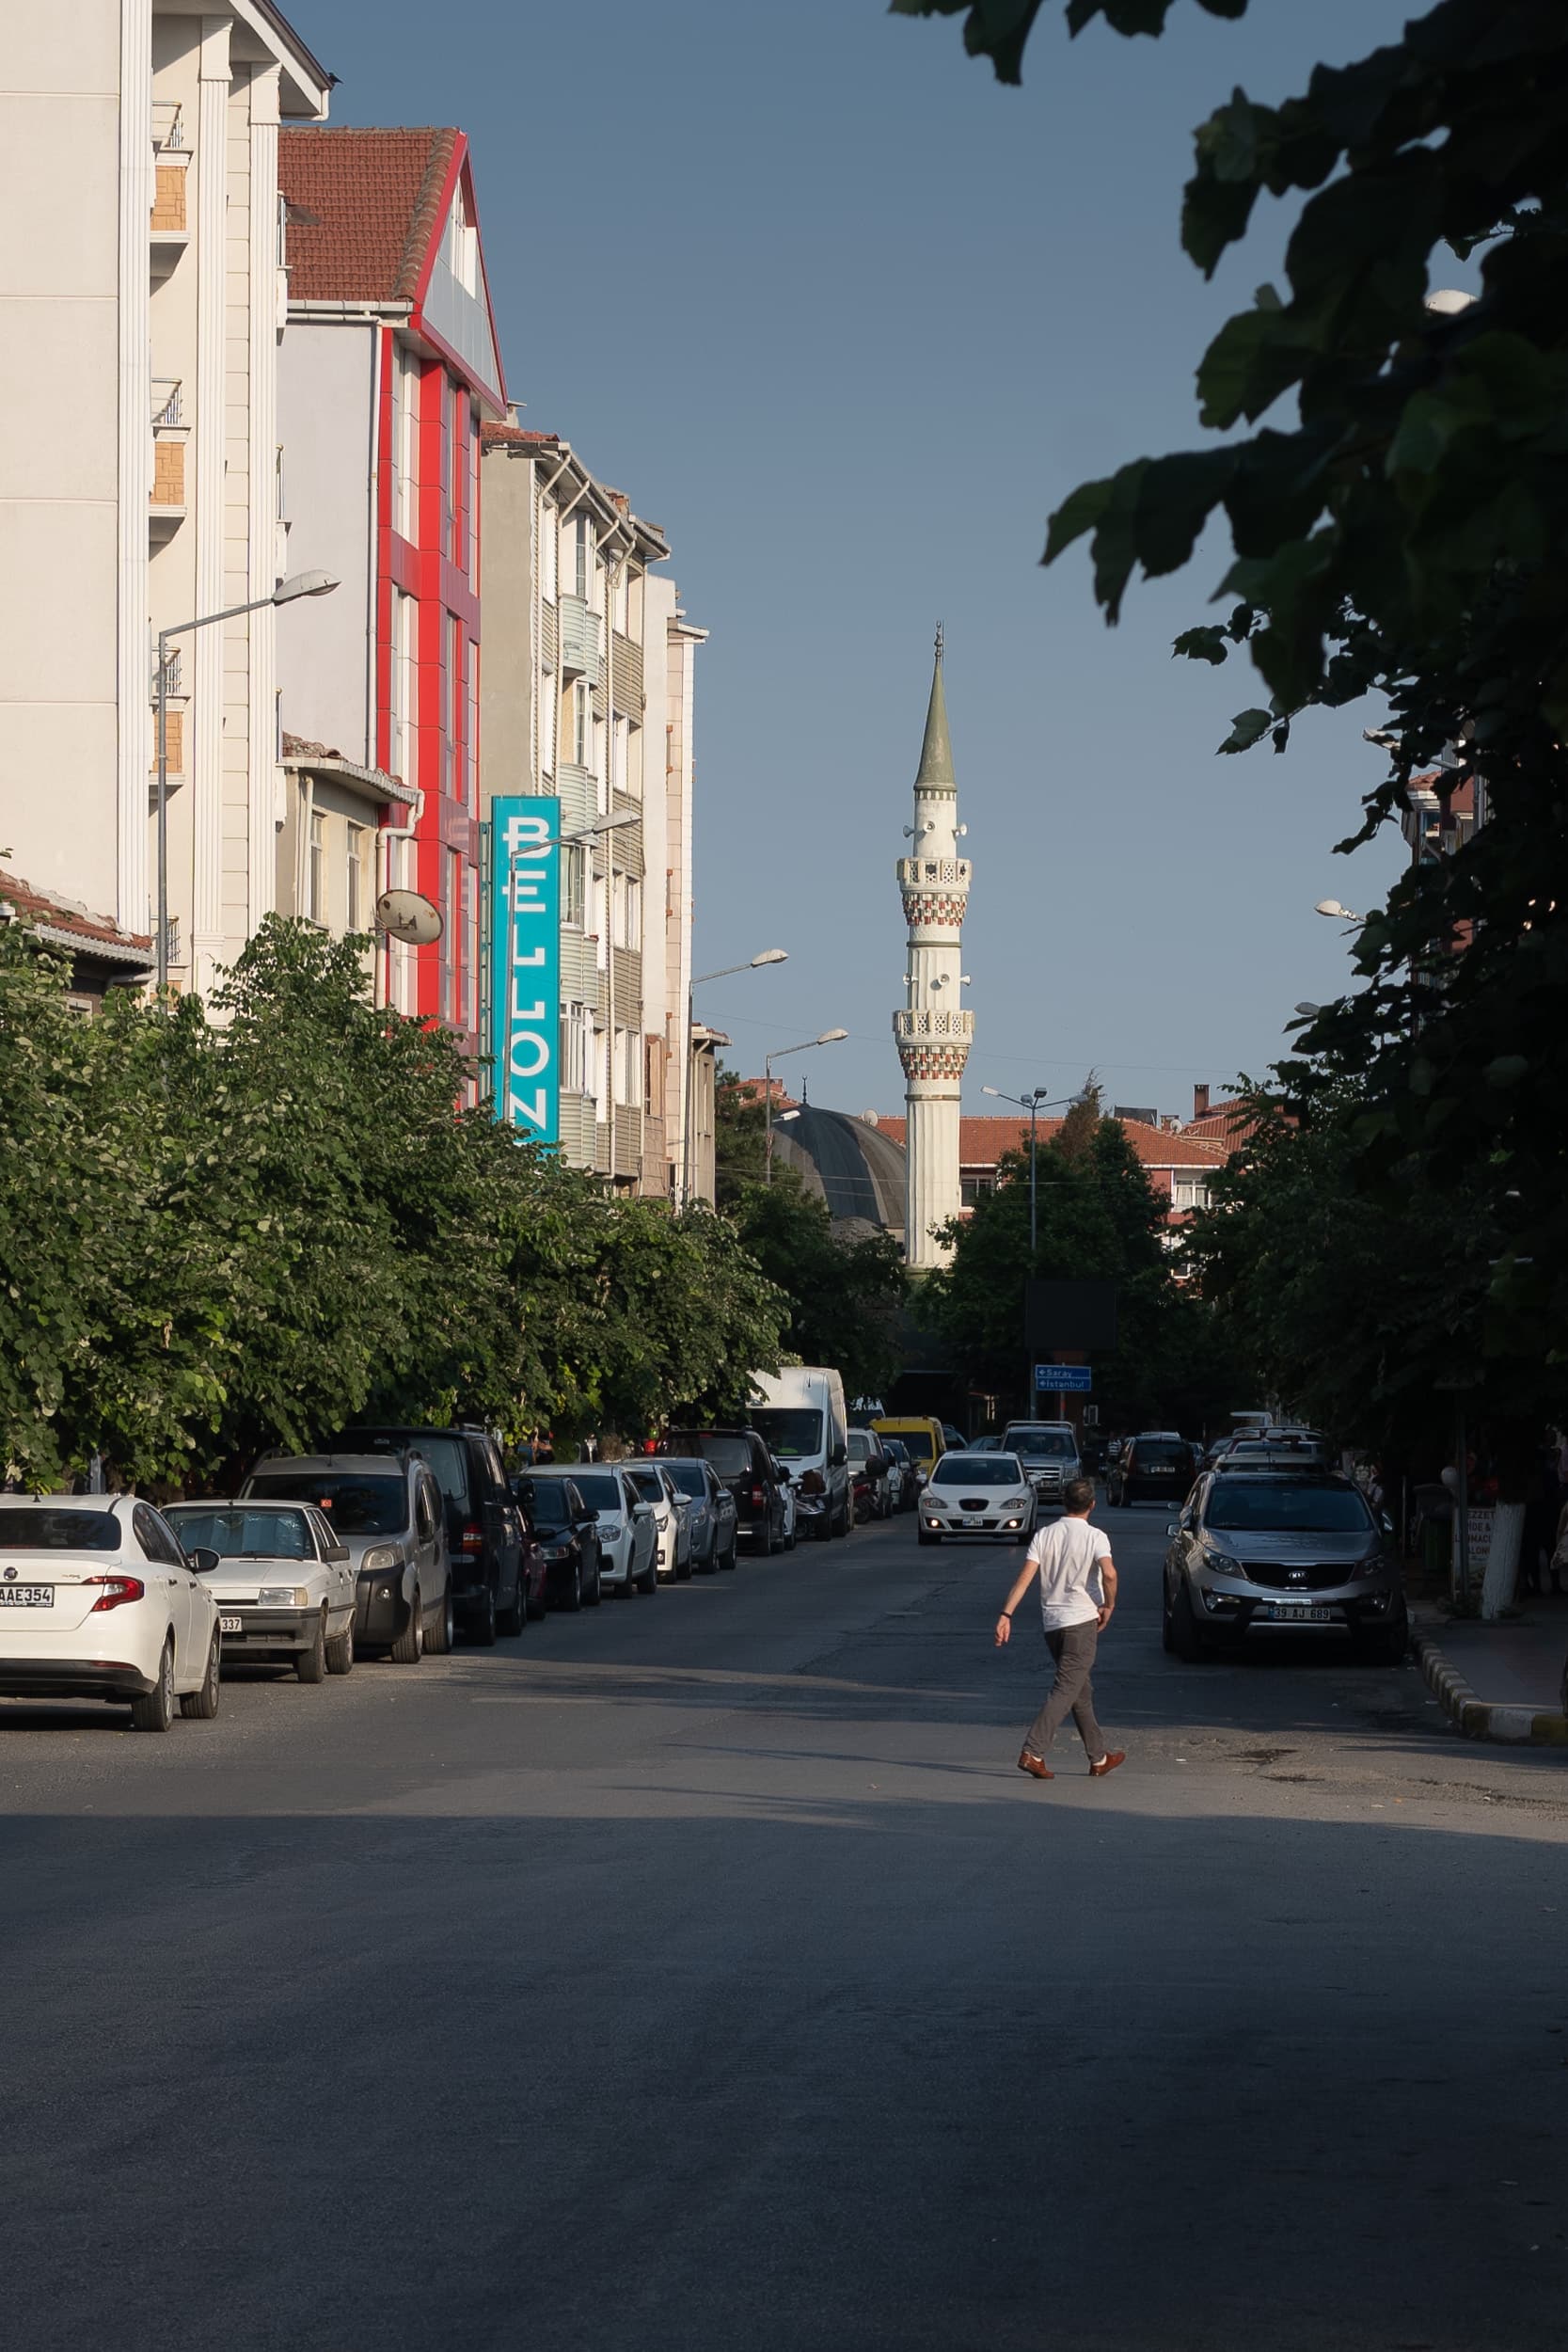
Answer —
849 319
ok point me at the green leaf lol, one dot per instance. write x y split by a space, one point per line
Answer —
1247 728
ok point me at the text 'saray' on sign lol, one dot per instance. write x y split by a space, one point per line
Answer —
524 963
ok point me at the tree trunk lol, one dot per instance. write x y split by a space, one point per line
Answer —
1502 1562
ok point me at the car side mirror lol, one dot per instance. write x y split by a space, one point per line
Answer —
204 1559
1174 1528
1385 1522
338 1551
837 1458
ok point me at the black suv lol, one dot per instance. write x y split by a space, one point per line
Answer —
744 1465
484 1527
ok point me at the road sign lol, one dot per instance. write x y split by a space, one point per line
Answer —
1064 1378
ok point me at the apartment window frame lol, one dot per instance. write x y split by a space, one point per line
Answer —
549 552
315 867
354 904
574 886
582 558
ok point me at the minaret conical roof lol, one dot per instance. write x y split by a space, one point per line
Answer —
936 751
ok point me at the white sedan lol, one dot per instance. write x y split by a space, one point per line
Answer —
99 1601
284 1585
977 1495
652 1484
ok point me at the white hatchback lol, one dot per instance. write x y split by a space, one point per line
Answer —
99 1601
977 1495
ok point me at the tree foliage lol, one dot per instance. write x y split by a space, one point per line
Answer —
844 1294
1401 531
222 1234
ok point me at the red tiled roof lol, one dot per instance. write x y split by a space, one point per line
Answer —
1229 1124
364 210
60 915
516 437
981 1141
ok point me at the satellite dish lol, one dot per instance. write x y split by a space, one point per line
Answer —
408 915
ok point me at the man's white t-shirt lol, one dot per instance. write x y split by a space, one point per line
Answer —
1067 1555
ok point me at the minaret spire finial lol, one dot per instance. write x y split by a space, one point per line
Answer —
939 641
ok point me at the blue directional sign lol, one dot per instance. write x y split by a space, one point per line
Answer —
1064 1378
524 963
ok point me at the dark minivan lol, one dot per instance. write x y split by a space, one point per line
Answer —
743 1463
485 1536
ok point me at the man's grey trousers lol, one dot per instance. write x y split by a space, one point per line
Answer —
1072 1692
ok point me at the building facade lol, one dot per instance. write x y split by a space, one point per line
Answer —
391 370
143 270
588 699
933 1031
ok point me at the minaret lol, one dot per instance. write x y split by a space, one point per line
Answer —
933 1031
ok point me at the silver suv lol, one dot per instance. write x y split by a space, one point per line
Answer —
387 1508
1049 1453
1257 1553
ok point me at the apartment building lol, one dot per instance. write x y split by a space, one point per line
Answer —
142 281
391 367
587 700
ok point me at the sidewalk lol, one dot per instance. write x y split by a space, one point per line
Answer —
1501 1681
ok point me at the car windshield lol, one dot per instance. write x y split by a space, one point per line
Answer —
859 1446
976 1470
1059 1444
600 1489
1277 1506
688 1478
242 1533
791 1431
356 1503
31 1528
1161 1454
921 1445
448 1457
731 1455
547 1501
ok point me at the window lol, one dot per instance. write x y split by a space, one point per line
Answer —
572 886
357 902
279 505
575 1047
447 501
472 731
549 724
282 230
405 443
549 552
628 1069
315 870
618 754
451 702
1189 1192
451 900
401 751
582 556
582 724
629 911
471 947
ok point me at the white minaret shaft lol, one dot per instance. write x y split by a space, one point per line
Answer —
933 1031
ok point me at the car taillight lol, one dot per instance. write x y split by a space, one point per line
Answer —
116 1589
472 1538
758 1497
811 1484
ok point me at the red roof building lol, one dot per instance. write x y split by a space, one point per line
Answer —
390 370
102 953
1176 1163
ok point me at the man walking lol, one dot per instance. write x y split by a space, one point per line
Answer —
1077 1592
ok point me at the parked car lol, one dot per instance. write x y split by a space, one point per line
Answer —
1278 1449
652 1485
485 1537
744 1462
1155 1467
629 1538
906 1490
387 1508
567 1529
714 1520
99 1601
1049 1451
919 1432
1259 1553
978 1495
283 1582
869 1468
800 1412
787 1497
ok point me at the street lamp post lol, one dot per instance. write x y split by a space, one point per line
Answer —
829 1037
302 584
1034 1104
753 964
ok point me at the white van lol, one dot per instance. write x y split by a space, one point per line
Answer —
800 1411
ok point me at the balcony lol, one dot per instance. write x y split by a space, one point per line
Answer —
167 403
934 1047
168 230
579 639
629 696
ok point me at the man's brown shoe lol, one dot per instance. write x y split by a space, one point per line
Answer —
1027 1763
1107 1763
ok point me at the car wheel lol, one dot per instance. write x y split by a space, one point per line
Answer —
311 1665
408 1649
509 1622
791 1539
340 1651
765 1539
683 1575
446 1627
1167 1631
573 1600
595 1593
537 1609
202 1705
648 1580
732 1556
1186 1633
155 1712
481 1621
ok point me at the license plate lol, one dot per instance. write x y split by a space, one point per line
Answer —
230 1625
1295 1615
27 1596
969 1522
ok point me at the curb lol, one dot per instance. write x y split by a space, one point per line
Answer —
1481 1719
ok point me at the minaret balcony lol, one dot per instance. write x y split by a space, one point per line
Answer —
933 1045
938 873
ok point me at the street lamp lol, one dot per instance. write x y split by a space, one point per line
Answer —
1308 1012
753 964
584 832
1034 1104
315 583
1335 912
829 1037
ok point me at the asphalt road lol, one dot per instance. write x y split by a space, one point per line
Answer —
701 1973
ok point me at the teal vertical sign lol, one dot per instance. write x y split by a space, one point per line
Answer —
524 963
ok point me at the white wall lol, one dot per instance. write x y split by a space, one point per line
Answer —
59 177
324 418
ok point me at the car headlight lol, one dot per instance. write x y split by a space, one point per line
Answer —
1221 1563
611 1531
1368 1567
283 1597
378 1559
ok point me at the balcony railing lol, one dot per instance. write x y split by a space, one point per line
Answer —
167 407
169 125
172 674
579 638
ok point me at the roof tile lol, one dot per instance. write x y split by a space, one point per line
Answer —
364 208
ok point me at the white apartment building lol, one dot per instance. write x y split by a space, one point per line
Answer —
587 693
142 295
